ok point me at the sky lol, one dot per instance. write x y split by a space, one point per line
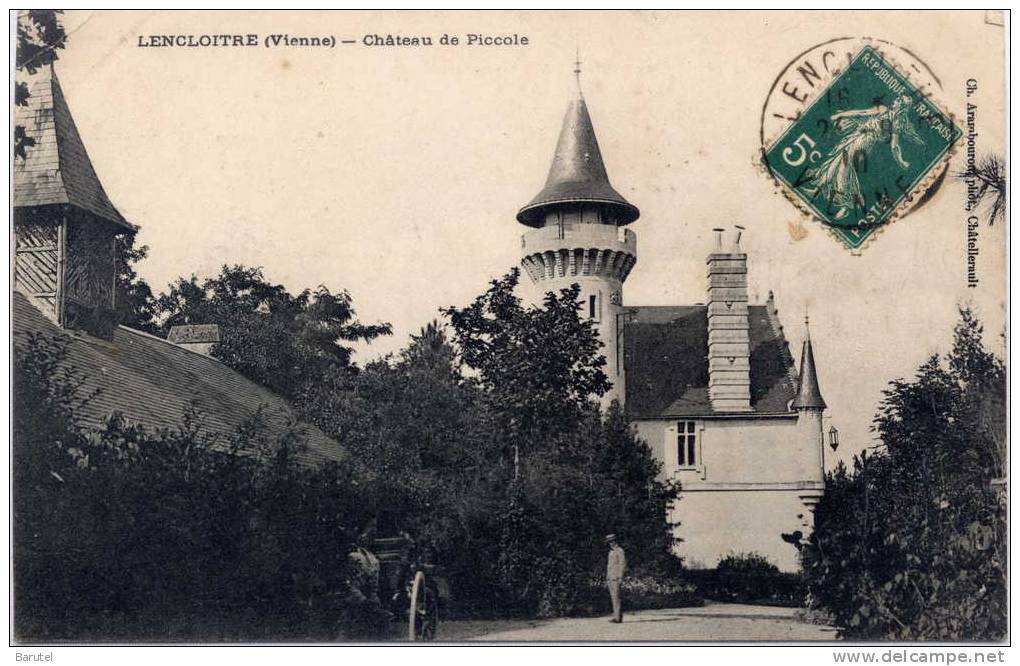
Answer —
396 172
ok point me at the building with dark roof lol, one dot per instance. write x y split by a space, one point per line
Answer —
712 388
65 230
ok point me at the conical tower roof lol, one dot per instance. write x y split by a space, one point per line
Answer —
809 395
578 173
56 168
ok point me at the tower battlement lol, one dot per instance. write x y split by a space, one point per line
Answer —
586 250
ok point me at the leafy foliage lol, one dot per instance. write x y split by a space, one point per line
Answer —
748 578
594 480
416 430
178 534
747 563
538 366
136 305
910 543
434 432
152 517
289 343
567 477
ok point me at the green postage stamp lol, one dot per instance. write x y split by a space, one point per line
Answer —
863 150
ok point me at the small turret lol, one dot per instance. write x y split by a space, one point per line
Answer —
809 406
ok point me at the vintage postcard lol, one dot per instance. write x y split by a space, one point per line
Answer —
510 327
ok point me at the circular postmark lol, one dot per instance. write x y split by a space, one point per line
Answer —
852 133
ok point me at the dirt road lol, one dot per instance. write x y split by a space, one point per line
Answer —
712 622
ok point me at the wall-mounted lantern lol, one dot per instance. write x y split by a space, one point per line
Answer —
833 438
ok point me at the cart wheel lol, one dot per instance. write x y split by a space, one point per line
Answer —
423 617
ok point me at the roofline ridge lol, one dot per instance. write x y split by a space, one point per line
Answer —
777 327
54 85
719 415
678 305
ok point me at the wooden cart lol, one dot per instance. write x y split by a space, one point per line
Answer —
411 585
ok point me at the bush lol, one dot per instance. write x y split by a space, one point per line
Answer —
758 583
910 543
750 563
638 593
748 578
173 535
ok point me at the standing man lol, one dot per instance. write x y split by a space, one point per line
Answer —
616 566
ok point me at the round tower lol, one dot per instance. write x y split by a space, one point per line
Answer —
578 235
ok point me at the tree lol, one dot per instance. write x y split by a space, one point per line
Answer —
40 35
538 365
910 543
568 474
595 479
288 343
423 454
136 306
413 424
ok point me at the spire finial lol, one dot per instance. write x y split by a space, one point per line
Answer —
807 323
577 69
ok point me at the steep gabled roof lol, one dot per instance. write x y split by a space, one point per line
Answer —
152 382
666 362
57 168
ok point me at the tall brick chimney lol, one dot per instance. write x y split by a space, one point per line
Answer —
729 344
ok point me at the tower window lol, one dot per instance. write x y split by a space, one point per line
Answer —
686 444
593 307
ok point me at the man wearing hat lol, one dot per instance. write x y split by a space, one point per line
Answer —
615 568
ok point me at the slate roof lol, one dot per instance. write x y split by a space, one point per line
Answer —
57 169
666 362
152 382
809 394
577 173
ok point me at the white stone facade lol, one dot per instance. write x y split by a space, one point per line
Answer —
753 479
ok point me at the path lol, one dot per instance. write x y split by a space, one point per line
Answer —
712 622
